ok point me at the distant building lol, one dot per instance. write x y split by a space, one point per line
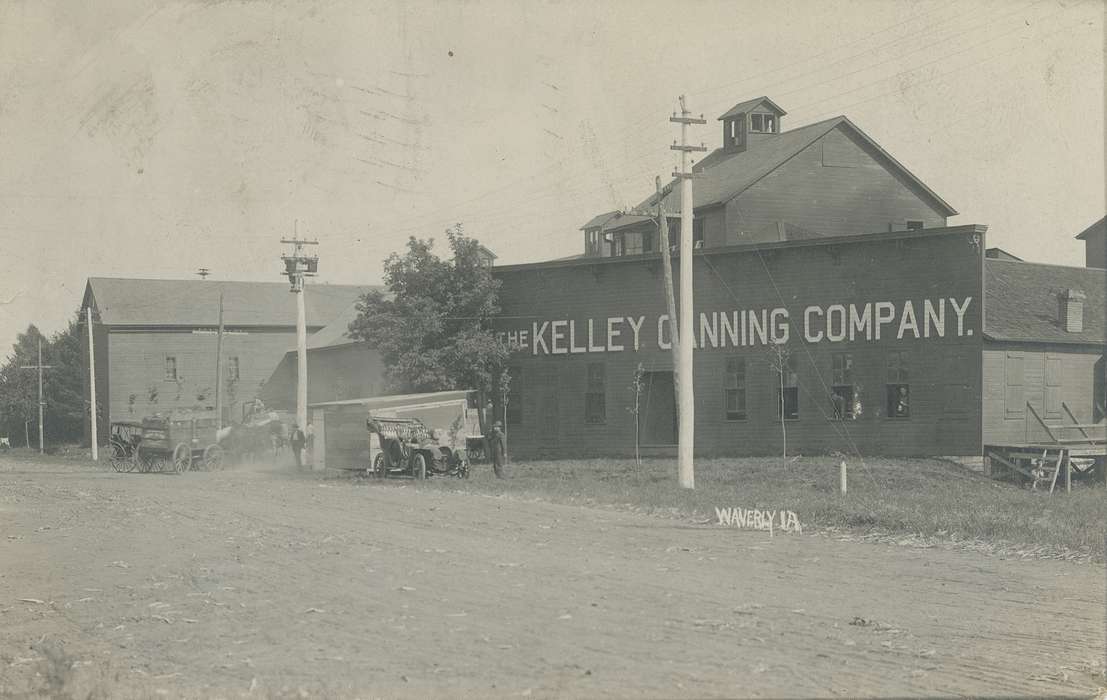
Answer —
1095 244
339 367
765 184
155 340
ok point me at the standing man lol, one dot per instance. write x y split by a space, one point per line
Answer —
310 434
297 441
497 443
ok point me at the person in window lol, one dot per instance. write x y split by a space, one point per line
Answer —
902 407
497 444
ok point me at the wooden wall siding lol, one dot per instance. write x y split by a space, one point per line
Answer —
832 201
335 374
714 227
1050 375
136 363
945 372
1095 251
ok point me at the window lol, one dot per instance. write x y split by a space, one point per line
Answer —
841 387
595 399
232 369
897 386
697 232
788 395
616 244
1053 373
513 413
647 242
914 225
632 243
1014 399
762 123
170 368
734 391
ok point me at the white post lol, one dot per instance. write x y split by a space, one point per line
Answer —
842 477
91 386
301 359
686 433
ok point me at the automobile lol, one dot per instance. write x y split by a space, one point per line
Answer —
409 448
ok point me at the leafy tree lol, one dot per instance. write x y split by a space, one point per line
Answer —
18 386
64 383
433 328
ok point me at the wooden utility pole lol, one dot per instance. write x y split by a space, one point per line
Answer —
39 367
667 269
91 386
687 416
219 369
299 266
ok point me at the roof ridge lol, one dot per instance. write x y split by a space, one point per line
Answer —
1044 264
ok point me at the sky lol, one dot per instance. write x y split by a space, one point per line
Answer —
149 139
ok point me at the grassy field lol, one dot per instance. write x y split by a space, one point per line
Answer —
931 501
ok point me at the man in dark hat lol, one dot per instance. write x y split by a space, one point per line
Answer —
497 444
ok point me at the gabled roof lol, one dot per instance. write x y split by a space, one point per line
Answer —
746 106
195 303
335 333
597 221
726 175
1097 228
1022 302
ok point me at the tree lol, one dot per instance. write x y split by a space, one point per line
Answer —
66 405
780 360
18 386
433 328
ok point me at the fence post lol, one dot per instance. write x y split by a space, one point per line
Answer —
842 477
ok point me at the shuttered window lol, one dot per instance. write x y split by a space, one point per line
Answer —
734 392
1054 369
595 401
1014 398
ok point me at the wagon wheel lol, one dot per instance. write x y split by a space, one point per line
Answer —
182 457
419 466
380 465
119 457
213 457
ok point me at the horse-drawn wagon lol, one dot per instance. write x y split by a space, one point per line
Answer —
179 442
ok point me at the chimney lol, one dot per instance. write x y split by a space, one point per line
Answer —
1072 310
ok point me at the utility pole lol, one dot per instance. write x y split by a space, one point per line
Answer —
219 369
39 367
297 266
667 269
91 386
687 429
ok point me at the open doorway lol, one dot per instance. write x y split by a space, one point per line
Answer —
657 415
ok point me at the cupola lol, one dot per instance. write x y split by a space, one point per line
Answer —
748 123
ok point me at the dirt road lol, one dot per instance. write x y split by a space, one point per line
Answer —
269 584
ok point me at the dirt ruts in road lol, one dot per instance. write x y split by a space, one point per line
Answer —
218 583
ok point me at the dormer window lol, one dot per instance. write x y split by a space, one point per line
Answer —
763 123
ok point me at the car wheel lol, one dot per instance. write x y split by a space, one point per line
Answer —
419 466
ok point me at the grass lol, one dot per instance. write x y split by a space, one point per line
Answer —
932 499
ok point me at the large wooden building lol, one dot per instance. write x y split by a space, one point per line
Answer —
155 340
829 291
903 343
